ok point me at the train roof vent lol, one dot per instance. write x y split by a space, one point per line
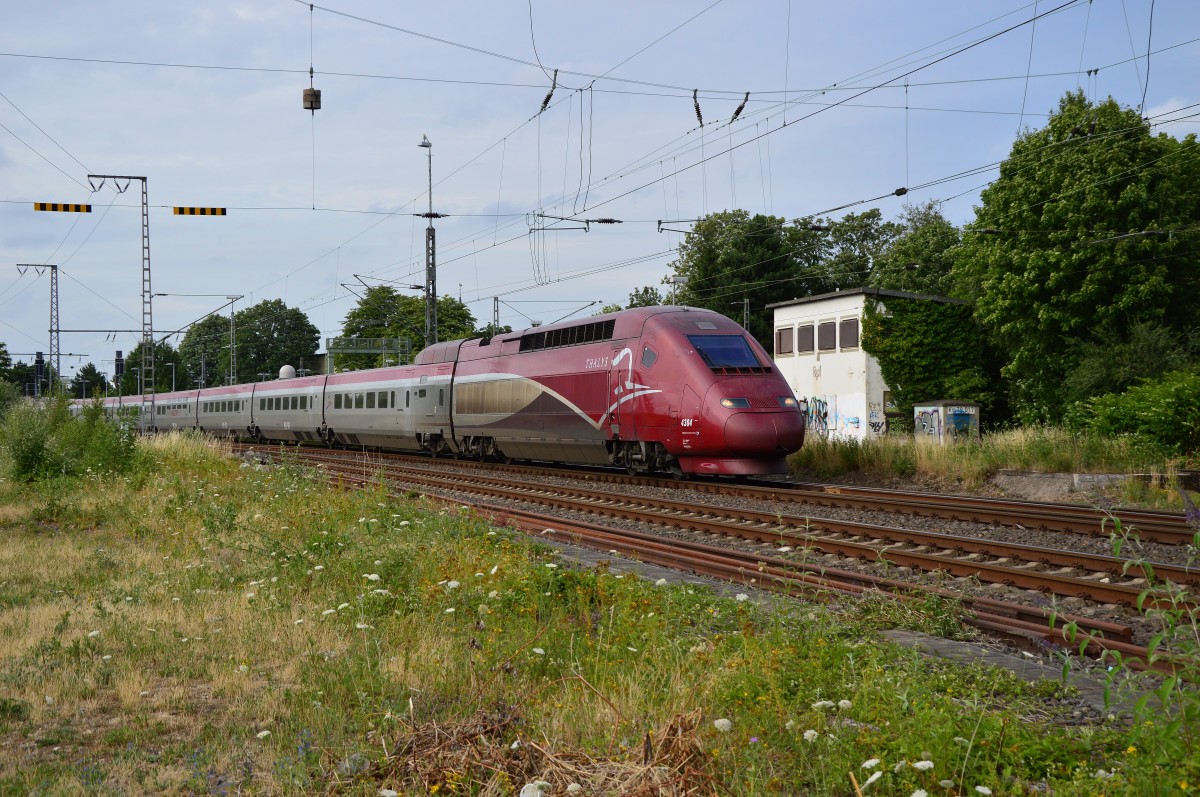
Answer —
576 335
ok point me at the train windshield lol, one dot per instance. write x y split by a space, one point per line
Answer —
725 351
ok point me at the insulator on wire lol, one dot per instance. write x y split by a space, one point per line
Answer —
553 86
901 191
738 110
696 102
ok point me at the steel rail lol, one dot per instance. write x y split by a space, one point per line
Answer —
1017 622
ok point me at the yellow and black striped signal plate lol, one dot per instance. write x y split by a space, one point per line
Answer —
199 211
62 207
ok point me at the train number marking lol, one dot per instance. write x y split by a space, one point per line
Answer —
687 422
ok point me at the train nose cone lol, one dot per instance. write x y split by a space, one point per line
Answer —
764 433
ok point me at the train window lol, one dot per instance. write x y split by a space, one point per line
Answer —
848 333
337 401
648 356
407 398
358 401
421 393
724 351
383 400
441 397
371 400
262 403
393 398
295 402
826 336
783 341
304 402
804 339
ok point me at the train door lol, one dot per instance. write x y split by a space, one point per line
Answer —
620 384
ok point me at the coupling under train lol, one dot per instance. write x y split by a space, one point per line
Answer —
668 389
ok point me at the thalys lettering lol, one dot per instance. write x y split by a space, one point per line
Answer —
708 400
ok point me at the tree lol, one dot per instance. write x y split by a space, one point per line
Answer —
5 361
647 296
204 353
730 257
921 258
131 383
929 351
855 242
384 312
88 382
270 335
1075 244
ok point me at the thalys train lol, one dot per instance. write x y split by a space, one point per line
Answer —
669 389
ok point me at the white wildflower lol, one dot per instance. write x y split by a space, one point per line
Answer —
539 788
243 668
551 565
388 793
452 585
263 734
362 626
93 634
870 763
822 704
319 567
920 793
539 651
662 582
984 790
874 777
741 596
946 784
371 576
343 606
844 705
329 611
449 611
784 549
810 735
493 594
249 596
723 725
494 569
298 622
923 765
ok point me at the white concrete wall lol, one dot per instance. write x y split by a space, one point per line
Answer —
843 387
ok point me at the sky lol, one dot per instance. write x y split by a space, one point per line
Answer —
847 103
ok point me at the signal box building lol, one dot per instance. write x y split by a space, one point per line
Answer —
819 352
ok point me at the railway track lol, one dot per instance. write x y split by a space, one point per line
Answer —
1166 528
804 551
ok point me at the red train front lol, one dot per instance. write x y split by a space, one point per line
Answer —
656 389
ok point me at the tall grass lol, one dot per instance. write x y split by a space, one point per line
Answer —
43 440
211 627
971 463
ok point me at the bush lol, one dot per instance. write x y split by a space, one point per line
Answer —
1164 412
46 440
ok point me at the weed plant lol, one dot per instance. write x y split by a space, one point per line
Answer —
969 464
45 440
210 627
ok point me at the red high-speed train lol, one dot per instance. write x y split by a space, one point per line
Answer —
655 389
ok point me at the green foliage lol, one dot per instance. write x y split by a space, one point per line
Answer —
383 312
929 351
204 353
1165 412
1072 245
44 441
1148 351
10 394
88 382
130 384
921 259
646 296
270 335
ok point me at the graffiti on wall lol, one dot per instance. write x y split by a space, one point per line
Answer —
929 422
821 417
876 420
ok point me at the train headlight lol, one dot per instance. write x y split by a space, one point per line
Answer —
736 403
787 402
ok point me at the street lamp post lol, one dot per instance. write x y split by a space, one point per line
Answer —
677 280
431 333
